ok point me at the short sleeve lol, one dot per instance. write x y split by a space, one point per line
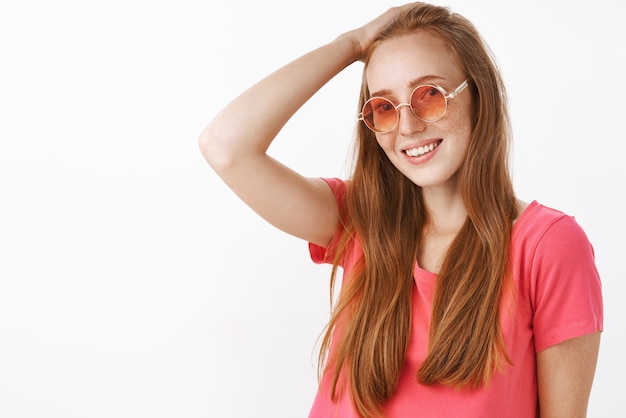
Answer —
567 293
319 254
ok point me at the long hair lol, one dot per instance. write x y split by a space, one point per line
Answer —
385 210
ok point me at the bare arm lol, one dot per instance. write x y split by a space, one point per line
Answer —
236 140
565 374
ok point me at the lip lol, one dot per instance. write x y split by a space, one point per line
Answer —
420 159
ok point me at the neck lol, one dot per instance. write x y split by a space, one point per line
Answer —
446 216
446 210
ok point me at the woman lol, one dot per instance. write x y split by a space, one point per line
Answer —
458 300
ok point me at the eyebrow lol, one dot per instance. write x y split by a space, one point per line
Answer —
425 79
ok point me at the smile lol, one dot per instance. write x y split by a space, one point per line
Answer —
416 152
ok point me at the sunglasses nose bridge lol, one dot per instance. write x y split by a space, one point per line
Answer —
409 118
412 111
400 106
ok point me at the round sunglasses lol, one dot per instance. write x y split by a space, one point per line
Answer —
429 102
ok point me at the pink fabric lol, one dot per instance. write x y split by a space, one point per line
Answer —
558 298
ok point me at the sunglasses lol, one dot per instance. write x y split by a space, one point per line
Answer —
429 103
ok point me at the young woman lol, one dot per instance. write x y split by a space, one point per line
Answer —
457 300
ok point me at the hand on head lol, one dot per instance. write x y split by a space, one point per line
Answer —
363 37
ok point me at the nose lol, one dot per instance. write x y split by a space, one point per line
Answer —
408 123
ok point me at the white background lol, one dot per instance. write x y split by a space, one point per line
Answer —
134 284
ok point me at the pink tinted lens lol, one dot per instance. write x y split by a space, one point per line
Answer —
380 115
428 103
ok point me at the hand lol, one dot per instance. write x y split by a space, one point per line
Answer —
363 37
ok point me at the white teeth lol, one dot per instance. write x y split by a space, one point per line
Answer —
414 152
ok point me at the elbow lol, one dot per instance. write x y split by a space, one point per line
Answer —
214 149
205 144
229 148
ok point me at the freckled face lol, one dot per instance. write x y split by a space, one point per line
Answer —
428 153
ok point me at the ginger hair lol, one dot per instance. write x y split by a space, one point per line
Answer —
385 210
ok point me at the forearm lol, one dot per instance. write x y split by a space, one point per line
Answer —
249 123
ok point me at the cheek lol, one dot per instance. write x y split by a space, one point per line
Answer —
460 107
460 121
385 141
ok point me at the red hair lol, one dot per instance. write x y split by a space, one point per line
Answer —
385 210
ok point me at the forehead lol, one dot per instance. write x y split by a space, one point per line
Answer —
398 62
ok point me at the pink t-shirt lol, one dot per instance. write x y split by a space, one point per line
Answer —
558 298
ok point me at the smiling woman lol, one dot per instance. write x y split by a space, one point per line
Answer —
397 68
133 282
457 298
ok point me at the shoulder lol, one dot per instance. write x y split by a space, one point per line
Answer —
551 253
554 265
540 225
326 253
338 187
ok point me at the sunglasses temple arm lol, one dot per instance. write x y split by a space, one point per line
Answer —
457 90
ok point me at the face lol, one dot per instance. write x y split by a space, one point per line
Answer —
428 153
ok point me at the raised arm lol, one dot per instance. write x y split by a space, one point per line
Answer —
236 140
